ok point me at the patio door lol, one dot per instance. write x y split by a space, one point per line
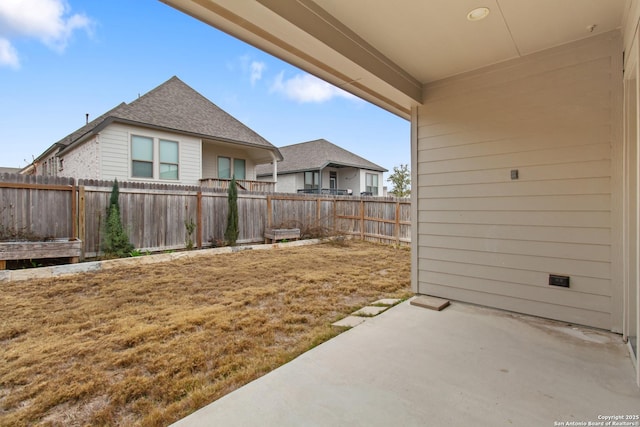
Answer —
632 206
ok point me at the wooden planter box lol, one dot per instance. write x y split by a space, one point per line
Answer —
57 248
275 234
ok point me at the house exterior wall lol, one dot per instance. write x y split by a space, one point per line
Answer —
631 182
483 237
289 183
115 150
82 162
211 152
348 179
363 182
49 166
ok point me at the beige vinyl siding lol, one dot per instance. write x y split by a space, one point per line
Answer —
488 239
115 153
211 151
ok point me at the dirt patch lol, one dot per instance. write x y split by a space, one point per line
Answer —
149 344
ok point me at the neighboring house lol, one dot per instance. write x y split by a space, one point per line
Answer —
172 134
9 170
524 138
322 167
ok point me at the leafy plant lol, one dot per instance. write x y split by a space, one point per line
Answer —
232 231
116 241
138 252
401 180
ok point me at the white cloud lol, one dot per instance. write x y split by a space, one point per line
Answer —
8 55
256 71
46 20
307 88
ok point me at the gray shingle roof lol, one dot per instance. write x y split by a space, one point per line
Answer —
177 107
314 155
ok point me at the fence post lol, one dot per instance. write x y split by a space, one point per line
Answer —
361 219
82 220
335 216
269 212
199 219
74 211
397 224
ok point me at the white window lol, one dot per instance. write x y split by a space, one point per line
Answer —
225 170
141 157
239 168
168 159
311 180
372 183
153 157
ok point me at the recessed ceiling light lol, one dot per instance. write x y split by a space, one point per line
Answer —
478 13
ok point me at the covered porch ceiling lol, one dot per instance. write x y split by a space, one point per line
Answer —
386 51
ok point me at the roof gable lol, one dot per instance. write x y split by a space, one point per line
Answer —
177 107
315 155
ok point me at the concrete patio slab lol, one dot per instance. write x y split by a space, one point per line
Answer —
349 321
466 365
369 311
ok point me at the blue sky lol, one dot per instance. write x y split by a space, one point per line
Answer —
61 59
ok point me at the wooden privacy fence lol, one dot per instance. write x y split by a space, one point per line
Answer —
42 207
154 215
375 219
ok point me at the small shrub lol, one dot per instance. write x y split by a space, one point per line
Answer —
116 241
232 231
190 227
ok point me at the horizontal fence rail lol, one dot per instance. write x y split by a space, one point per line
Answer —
155 215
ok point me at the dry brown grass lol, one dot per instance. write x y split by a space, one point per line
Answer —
148 345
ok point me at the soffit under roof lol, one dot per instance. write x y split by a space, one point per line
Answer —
433 39
385 51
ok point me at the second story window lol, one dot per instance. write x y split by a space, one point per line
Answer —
224 168
228 168
141 157
154 158
168 159
239 169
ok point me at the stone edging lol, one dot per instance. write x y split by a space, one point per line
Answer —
86 267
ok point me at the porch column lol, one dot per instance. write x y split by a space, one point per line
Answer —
274 174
